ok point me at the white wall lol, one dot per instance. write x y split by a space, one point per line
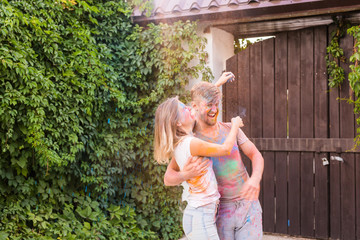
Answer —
220 47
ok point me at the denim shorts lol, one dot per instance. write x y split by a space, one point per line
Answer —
199 222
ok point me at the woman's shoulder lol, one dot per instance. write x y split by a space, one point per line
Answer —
188 138
184 141
182 150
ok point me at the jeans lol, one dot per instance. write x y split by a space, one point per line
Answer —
240 220
199 223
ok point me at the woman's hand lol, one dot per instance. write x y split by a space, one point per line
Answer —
225 77
237 121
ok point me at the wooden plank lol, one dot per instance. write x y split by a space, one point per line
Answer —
224 95
348 205
334 119
307 126
347 168
269 27
243 93
319 145
320 127
232 98
357 180
280 131
261 193
231 106
268 132
243 67
294 132
357 185
256 93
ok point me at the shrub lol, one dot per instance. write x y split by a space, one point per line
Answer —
79 86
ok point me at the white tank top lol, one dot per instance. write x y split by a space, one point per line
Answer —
200 190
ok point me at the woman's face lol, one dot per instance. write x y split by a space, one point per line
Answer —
186 117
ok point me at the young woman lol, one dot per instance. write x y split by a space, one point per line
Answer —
173 138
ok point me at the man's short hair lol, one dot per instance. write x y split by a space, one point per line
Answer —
206 91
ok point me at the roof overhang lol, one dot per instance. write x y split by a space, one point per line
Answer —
229 16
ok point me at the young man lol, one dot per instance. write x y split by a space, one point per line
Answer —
239 214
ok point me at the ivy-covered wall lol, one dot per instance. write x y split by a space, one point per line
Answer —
79 84
335 55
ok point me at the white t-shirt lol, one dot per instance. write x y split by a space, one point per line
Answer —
200 190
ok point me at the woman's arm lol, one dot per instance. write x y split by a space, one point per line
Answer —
199 147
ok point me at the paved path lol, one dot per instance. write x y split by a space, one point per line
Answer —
275 237
282 237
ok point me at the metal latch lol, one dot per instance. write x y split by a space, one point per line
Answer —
325 161
337 158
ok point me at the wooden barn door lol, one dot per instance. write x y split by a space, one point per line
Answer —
298 124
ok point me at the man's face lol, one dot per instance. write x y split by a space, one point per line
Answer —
208 110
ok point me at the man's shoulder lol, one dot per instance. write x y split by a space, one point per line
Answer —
225 124
241 135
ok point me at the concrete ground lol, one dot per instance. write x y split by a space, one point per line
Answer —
282 237
275 237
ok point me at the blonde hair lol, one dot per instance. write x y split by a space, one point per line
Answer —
205 90
167 133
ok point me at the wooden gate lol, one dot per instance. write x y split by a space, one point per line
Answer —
298 124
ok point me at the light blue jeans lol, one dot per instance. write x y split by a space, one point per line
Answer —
240 220
199 223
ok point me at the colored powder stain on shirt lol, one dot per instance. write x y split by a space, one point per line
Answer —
227 167
201 190
198 184
229 170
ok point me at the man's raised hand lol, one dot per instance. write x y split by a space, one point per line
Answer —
237 121
225 77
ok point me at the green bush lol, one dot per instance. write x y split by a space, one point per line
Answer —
78 89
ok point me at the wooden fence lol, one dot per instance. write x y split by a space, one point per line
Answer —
299 125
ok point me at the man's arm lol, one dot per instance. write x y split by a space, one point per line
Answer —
194 166
251 188
172 175
225 76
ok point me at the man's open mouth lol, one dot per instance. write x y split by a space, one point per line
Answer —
211 115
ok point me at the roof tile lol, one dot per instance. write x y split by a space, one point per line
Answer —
194 7
176 8
233 2
184 7
239 11
159 10
213 4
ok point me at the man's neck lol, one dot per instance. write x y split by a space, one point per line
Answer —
205 129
